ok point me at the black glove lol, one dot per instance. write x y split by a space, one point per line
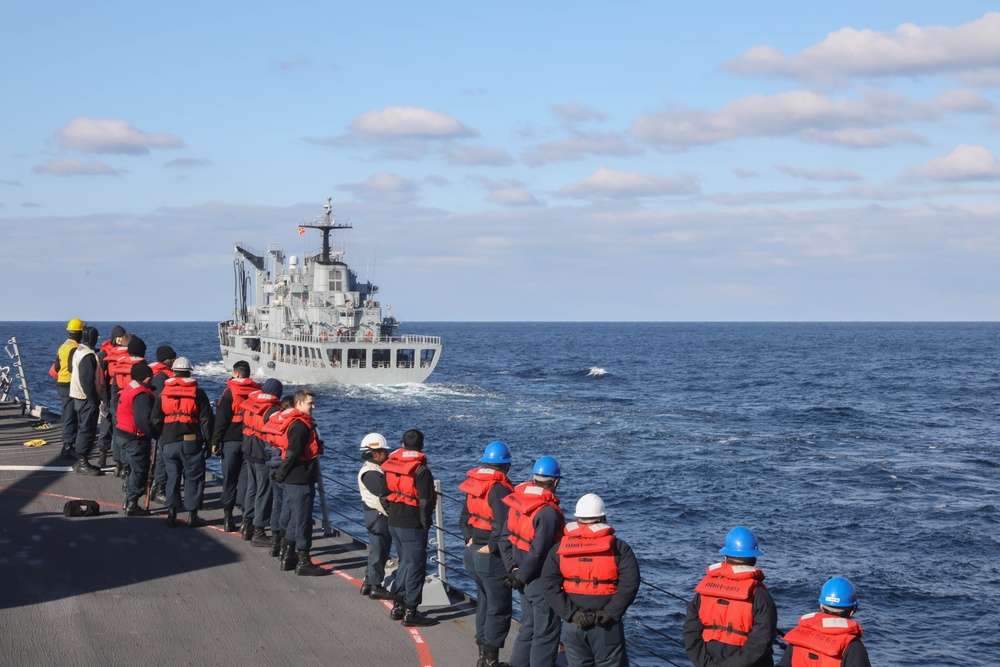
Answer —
603 618
277 477
510 580
583 619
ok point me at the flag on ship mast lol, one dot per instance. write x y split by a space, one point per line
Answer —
302 230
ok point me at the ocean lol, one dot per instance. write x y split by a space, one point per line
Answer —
867 450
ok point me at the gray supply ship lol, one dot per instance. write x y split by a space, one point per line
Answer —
315 323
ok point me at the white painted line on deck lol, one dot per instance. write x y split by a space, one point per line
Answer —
39 468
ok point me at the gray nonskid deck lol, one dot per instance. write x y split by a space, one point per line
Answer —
120 590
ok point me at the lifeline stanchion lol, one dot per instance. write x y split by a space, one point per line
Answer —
439 519
327 531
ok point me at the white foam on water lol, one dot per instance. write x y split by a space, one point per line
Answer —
211 369
595 371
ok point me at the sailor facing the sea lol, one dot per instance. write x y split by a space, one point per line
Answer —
732 619
829 636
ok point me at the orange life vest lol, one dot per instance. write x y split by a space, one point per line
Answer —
820 639
477 485
121 369
241 388
524 503
178 401
587 559
400 474
254 409
276 432
126 408
159 367
726 610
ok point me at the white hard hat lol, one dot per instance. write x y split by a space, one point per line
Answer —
373 441
181 364
590 506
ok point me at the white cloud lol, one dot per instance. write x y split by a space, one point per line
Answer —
579 144
107 135
509 193
479 156
802 113
74 167
908 50
576 112
820 174
185 163
614 184
405 122
964 100
965 163
384 187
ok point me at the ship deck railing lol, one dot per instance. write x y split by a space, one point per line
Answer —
326 337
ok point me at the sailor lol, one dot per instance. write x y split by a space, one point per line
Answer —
411 499
273 455
534 525
590 580
371 483
227 442
62 372
732 619
121 370
182 414
257 409
483 518
134 429
829 636
111 349
85 387
294 431
162 371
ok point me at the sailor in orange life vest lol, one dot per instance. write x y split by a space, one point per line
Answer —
85 387
828 638
62 372
110 349
257 409
183 415
120 371
271 434
534 525
227 442
411 500
162 371
371 484
483 517
134 428
590 580
295 434
732 619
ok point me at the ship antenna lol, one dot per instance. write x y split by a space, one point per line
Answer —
328 225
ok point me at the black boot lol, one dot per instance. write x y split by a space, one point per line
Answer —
491 657
366 588
396 613
260 538
102 460
132 509
195 521
307 568
287 557
228 524
247 529
84 467
171 518
158 493
379 593
276 540
119 467
479 663
68 451
414 619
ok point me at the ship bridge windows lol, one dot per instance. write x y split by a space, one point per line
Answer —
404 358
426 358
336 357
357 357
251 344
381 357
336 281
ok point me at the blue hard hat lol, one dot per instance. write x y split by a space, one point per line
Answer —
496 452
741 543
547 467
838 592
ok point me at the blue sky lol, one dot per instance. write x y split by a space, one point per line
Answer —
520 161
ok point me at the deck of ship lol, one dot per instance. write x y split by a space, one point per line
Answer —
119 590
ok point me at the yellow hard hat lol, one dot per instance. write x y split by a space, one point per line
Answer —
75 324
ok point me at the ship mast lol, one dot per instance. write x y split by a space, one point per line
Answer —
328 225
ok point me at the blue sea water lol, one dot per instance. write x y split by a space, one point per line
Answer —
867 450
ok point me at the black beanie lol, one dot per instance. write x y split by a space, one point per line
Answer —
165 352
136 347
141 371
118 331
